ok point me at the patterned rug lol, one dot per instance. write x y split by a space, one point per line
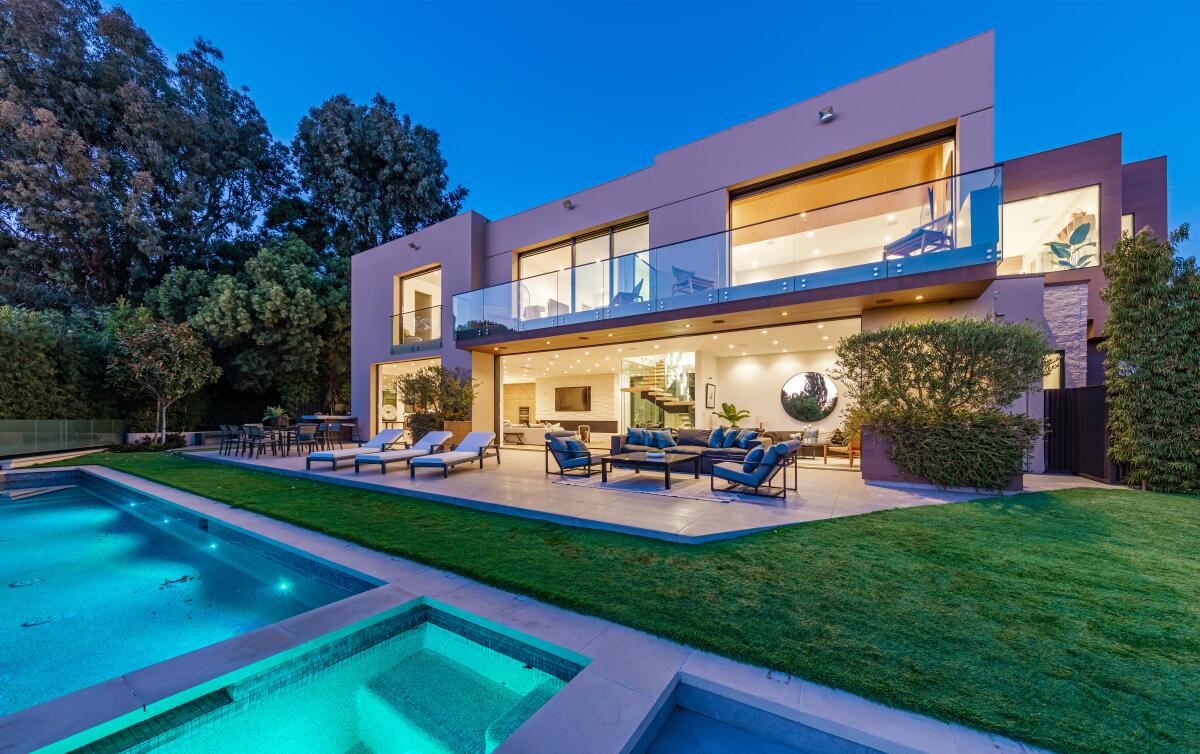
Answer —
683 485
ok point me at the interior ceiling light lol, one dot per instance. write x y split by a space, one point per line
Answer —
920 297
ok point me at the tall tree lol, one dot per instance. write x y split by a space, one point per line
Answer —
1152 357
370 174
115 166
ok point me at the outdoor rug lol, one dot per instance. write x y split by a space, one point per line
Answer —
682 486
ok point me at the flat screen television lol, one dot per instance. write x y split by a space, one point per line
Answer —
572 399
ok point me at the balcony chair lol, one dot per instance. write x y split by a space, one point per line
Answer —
431 442
381 441
756 473
628 297
571 455
475 446
687 281
932 236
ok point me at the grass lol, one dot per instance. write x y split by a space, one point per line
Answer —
1070 620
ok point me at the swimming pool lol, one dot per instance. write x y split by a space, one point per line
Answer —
425 678
98 580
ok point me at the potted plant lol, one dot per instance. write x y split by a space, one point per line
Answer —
275 416
731 414
437 398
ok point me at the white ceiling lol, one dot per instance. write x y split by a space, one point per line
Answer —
607 359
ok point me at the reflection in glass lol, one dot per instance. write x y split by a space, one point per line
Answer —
809 396
1052 232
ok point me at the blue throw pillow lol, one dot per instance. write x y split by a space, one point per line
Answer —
661 439
636 437
716 437
730 438
744 437
773 453
752 459
576 446
557 443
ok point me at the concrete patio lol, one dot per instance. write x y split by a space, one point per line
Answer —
519 486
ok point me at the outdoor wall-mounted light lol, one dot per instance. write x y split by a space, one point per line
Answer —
825 115
568 204
412 245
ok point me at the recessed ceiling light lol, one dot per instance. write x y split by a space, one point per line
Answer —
824 337
820 327
687 325
919 297
774 342
731 345
587 353
743 353
716 336
610 335
785 350
816 252
811 234
784 314
764 332
619 350
547 342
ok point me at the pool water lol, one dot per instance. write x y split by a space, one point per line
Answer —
427 690
93 586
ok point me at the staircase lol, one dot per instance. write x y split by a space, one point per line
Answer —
656 387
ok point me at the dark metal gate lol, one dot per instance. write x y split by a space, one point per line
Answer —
1077 439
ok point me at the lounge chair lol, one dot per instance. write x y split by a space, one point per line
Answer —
852 449
381 441
775 459
629 297
423 447
932 236
576 461
474 447
687 281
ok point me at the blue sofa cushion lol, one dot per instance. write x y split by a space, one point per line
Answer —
572 463
744 437
558 444
716 437
730 438
662 439
770 458
752 459
637 436
732 472
577 446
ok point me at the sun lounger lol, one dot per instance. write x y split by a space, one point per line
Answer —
474 447
422 447
381 441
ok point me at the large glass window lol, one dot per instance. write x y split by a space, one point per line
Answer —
1052 233
784 231
578 276
418 307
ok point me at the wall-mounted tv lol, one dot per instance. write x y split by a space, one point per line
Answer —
572 399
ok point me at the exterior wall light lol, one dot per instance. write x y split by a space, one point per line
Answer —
825 115
412 245
568 204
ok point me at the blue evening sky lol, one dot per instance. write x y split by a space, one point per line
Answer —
535 101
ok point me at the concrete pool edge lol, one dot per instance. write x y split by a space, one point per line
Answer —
610 706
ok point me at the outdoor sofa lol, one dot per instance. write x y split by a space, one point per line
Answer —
423 447
474 447
713 446
381 441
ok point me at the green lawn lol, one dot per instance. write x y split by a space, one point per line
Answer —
1070 620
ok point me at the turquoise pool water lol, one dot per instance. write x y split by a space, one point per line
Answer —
96 584
427 690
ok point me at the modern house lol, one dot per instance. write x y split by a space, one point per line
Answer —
726 270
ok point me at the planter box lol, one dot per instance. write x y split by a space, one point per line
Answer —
878 467
458 430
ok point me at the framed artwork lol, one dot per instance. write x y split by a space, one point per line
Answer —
710 396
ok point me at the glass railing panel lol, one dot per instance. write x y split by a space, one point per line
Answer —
541 300
690 273
632 285
417 326
25 436
468 314
500 307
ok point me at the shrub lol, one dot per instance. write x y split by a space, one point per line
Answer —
1153 361
434 395
938 390
150 445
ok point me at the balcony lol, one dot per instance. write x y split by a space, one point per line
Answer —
943 224
417 330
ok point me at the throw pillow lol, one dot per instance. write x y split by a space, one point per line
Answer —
744 437
716 438
730 438
752 459
662 439
635 436
577 446
558 443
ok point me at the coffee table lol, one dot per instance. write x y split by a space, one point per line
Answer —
640 460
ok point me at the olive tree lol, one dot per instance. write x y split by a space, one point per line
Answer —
159 360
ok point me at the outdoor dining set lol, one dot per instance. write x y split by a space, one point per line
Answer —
253 440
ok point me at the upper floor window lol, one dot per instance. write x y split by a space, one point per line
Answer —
1127 226
417 307
1052 233
575 275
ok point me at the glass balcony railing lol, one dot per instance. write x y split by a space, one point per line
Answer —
417 327
27 436
951 222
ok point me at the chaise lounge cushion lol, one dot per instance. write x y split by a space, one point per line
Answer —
445 459
731 471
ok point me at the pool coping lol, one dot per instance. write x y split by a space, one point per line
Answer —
611 705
